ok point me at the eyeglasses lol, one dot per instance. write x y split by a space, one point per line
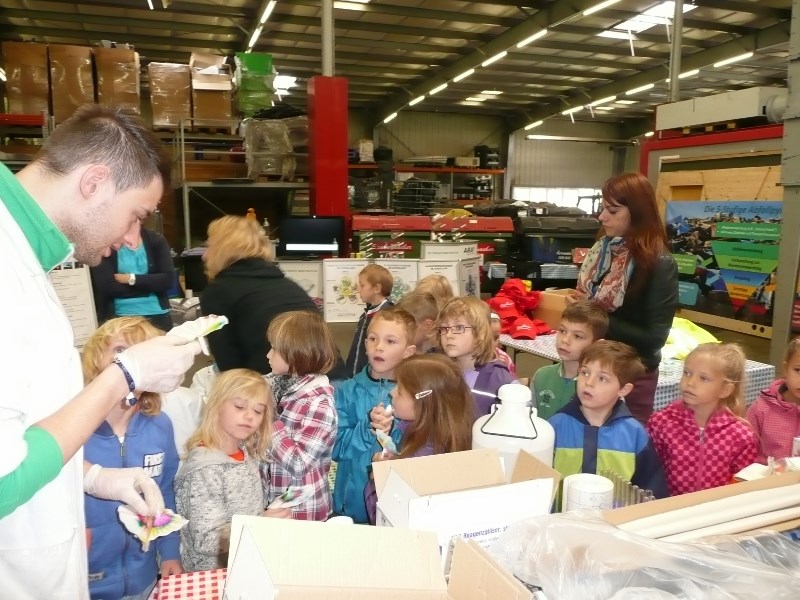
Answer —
458 329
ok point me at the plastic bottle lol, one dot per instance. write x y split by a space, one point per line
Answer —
265 227
514 426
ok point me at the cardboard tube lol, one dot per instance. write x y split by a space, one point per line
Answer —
737 526
715 512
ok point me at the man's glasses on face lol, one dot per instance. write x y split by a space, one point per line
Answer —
458 329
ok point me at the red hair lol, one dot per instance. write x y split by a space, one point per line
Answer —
647 236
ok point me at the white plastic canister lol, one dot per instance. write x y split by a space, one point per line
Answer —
514 426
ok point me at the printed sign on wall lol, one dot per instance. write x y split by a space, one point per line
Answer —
308 275
405 274
340 285
727 255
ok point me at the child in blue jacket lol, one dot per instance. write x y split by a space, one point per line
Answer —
131 436
361 403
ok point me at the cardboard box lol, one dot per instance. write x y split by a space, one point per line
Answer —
71 79
475 575
27 78
356 561
306 560
170 93
118 81
462 495
639 511
551 305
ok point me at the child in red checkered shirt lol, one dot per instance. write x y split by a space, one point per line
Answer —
303 352
701 438
775 416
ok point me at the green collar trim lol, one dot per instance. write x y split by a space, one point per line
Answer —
50 246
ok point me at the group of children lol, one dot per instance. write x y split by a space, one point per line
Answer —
431 367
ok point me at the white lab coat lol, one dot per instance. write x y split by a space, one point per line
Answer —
42 543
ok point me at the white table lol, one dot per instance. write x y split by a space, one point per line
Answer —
758 375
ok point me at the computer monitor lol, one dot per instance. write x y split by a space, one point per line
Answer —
310 236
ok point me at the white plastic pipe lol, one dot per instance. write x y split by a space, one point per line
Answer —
715 512
737 526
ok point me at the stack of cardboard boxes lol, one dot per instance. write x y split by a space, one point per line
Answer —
212 87
170 93
27 78
59 78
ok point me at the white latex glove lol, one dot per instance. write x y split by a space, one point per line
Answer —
159 364
199 329
126 486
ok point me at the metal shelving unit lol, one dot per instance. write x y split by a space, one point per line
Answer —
187 187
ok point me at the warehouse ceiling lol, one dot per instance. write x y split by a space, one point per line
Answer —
395 51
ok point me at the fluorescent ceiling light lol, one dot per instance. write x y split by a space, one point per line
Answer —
598 7
656 15
617 35
267 12
150 4
284 82
352 5
532 125
2 75
605 108
643 88
649 134
464 75
569 111
491 92
494 58
390 117
689 74
536 36
733 59
625 102
475 99
255 36
466 103
417 100
437 89
603 101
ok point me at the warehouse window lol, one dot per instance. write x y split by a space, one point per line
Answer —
580 197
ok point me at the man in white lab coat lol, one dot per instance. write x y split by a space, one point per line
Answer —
95 178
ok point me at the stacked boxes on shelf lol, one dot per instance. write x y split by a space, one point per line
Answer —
170 93
27 78
268 149
117 77
71 79
211 91
253 82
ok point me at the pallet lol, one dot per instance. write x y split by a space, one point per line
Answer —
230 130
710 127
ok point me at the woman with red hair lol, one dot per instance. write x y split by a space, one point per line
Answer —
630 273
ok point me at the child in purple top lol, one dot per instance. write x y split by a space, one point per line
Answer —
433 408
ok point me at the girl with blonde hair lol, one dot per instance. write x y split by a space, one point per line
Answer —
702 438
465 335
220 477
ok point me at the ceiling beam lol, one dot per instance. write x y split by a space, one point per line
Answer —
763 39
197 9
753 8
555 59
424 13
688 22
162 22
315 53
557 12
612 47
308 38
349 24
651 38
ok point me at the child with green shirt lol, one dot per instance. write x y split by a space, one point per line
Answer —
582 324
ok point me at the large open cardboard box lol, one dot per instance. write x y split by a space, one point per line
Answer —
639 511
551 305
462 495
302 560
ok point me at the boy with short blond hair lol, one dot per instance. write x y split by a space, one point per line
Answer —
596 432
374 288
361 403
553 386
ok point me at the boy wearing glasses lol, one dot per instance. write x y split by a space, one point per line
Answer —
465 335
363 404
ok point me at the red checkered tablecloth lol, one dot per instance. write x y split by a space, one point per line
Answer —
200 585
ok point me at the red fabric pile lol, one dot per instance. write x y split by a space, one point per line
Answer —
514 304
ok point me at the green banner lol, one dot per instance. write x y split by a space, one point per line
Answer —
749 231
687 263
741 256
